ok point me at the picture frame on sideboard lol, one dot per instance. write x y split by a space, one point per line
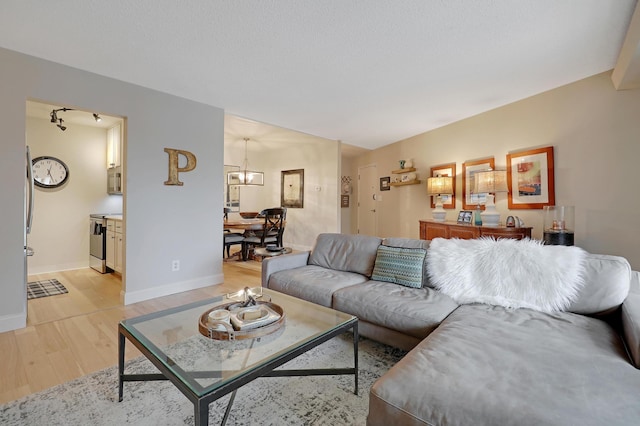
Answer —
465 217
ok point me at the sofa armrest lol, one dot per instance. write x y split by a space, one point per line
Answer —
631 319
275 264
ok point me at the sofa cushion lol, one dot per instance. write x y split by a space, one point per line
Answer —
413 311
313 283
399 265
349 253
412 243
606 284
489 365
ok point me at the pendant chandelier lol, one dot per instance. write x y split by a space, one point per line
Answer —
244 176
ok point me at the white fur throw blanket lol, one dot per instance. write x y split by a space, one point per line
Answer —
506 272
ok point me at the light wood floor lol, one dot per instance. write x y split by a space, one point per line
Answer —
71 335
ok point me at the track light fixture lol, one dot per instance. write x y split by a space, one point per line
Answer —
59 121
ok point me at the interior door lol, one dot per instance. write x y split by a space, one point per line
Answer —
367 194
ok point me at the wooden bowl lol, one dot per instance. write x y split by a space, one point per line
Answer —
249 215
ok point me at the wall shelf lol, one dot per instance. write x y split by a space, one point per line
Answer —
411 182
402 172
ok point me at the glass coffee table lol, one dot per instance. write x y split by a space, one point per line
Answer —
206 369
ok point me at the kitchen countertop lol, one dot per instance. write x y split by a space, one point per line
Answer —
113 217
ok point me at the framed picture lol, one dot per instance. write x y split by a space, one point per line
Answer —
448 201
384 183
465 216
530 179
292 189
470 199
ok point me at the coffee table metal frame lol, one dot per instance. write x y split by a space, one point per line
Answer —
267 369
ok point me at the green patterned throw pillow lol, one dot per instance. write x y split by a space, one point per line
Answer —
399 265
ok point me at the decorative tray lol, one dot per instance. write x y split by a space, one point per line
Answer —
245 322
274 248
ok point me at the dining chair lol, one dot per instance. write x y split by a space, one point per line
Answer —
231 238
269 233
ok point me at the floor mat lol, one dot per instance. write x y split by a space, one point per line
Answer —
45 288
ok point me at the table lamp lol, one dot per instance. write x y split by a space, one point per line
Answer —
439 186
490 182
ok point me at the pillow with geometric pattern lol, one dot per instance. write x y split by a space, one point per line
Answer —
399 265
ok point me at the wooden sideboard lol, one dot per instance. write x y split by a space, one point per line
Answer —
430 229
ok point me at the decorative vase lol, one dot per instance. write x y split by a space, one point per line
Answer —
408 163
402 164
478 218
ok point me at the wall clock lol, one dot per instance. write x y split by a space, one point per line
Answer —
49 172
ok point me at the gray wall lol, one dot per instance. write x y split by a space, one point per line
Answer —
162 222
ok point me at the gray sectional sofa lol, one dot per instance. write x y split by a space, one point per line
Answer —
475 363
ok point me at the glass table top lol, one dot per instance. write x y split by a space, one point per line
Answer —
205 364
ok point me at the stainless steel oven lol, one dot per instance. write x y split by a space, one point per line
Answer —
97 242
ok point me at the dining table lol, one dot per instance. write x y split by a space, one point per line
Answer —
244 224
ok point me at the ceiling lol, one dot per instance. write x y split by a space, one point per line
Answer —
366 72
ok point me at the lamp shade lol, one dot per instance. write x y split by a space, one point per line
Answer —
441 185
245 178
491 181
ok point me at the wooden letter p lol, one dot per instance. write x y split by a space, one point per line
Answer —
173 165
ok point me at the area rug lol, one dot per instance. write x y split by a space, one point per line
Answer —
45 288
320 400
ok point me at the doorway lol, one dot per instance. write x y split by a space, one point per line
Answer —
367 200
60 232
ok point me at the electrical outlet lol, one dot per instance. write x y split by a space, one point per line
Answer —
175 265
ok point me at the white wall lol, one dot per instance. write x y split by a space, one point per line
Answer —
595 132
60 236
162 223
321 211
318 157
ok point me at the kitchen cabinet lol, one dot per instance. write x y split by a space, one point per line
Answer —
115 244
111 250
430 230
114 146
118 254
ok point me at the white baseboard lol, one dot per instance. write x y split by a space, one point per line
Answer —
129 297
46 269
13 322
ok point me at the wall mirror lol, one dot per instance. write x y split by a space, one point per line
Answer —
231 192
